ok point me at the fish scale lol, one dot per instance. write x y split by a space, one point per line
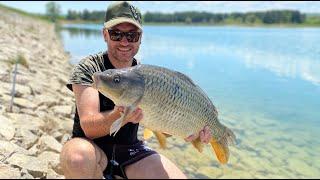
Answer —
190 102
170 101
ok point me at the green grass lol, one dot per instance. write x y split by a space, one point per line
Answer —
36 16
20 59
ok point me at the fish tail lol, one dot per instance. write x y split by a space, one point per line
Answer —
221 146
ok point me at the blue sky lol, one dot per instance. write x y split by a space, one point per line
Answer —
173 6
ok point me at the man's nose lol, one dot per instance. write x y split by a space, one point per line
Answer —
124 41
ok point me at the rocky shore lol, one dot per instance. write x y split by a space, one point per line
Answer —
32 134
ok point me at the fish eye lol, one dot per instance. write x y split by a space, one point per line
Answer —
116 79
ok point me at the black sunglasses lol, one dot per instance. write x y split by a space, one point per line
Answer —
116 35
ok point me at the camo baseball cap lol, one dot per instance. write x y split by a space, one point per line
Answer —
120 12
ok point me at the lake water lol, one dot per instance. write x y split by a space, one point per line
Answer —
265 83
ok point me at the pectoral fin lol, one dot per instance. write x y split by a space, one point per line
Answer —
147 133
116 125
162 139
198 144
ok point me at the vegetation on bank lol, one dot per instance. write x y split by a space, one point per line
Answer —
37 16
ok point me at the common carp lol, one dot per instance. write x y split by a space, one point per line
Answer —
170 101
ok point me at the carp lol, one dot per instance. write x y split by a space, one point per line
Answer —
170 101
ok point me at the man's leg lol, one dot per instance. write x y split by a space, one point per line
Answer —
155 166
81 158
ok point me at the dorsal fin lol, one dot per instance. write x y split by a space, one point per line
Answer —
185 77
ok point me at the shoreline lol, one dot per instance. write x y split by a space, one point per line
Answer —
41 120
63 22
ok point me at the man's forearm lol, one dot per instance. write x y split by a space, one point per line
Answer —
98 124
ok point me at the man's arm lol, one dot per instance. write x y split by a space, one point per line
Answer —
93 122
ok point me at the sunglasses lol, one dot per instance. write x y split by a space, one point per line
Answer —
116 35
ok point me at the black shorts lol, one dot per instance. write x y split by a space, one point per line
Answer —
120 156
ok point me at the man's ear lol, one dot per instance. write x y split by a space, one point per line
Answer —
140 39
105 34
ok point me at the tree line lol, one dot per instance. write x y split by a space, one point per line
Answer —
266 17
263 17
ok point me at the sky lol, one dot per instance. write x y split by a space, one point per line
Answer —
173 6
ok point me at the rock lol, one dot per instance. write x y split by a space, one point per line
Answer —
45 100
25 138
43 107
8 148
26 121
33 165
65 111
20 90
52 159
34 150
65 138
25 174
7 129
53 175
49 143
208 172
24 103
8 172
303 168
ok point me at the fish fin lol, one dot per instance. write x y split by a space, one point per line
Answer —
167 134
147 133
221 146
116 125
162 139
198 144
185 77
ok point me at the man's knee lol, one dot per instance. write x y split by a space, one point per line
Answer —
78 155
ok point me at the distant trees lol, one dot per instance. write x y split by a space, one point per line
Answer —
85 15
53 11
266 17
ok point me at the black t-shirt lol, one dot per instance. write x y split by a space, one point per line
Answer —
82 74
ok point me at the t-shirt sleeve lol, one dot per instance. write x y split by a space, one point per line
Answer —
82 72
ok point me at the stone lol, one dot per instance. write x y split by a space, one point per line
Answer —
49 143
7 148
52 159
25 138
25 121
45 100
7 129
53 175
20 90
8 172
24 103
65 111
33 165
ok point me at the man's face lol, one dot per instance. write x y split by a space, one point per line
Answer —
122 51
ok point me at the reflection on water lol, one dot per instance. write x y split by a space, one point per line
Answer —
87 33
265 83
284 59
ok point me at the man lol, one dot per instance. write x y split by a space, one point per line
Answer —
92 152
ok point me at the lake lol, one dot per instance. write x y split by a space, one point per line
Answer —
265 83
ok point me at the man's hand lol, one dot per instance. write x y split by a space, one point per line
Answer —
134 117
205 135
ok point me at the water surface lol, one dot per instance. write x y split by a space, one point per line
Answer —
265 83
